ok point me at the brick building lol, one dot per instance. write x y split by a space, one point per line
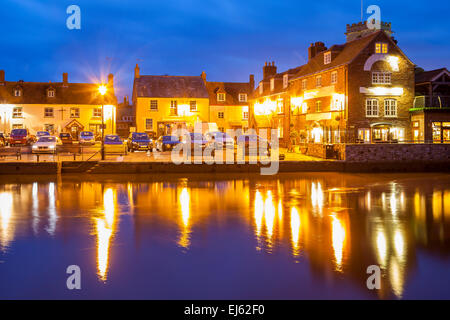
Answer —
357 92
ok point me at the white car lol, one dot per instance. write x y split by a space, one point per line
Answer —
45 144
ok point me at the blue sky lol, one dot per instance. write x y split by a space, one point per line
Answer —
228 39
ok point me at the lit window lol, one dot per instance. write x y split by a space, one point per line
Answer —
51 93
390 108
327 58
173 107
220 115
372 108
245 115
285 81
384 48
280 106
334 76
17 112
74 112
243 97
318 106
381 77
261 88
97 112
49 127
272 84
17 92
153 105
318 81
304 84
381 48
221 97
48 112
193 106
148 124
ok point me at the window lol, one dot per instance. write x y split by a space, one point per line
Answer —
372 108
242 97
364 135
272 84
390 108
318 106
17 126
381 78
97 112
149 124
17 112
173 107
318 81
193 105
74 112
48 113
327 58
304 84
261 88
221 97
49 128
220 115
245 115
285 80
51 93
17 92
153 105
334 76
280 106
381 47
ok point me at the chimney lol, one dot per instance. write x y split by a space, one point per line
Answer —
252 82
111 80
269 70
136 72
203 75
65 79
315 48
2 77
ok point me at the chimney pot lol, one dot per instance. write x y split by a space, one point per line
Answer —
65 78
136 72
2 75
203 75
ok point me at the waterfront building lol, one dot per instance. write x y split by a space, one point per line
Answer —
357 92
125 118
167 103
430 115
228 103
56 106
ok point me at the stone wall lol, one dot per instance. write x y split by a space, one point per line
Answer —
397 152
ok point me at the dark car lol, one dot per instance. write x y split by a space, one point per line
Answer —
66 138
139 141
19 137
86 138
42 134
196 140
251 144
165 143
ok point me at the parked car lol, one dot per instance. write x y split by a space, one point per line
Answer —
114 144
42 134
165 143
86 138
3 140
20 137
195 140
65 138
139 141
45 144
252 142
220 140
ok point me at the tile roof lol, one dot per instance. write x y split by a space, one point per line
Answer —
232 90
428 76
71 93
170 87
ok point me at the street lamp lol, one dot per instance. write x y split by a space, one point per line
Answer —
102 89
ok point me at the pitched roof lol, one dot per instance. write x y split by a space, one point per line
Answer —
170 87
278 84
232 90
70 93
428 76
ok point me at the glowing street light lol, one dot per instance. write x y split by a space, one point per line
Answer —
102 89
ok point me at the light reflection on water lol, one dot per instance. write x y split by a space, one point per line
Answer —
337 224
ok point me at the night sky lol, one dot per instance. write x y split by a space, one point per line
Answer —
228 39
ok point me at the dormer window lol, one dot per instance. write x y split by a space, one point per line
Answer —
285 81
381 48
272 84
221 97
242 97
51 93
327 58
17 92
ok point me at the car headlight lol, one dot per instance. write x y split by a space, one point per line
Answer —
35 147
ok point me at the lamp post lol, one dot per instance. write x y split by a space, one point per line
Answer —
102 89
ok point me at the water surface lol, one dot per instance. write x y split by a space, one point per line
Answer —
295 236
